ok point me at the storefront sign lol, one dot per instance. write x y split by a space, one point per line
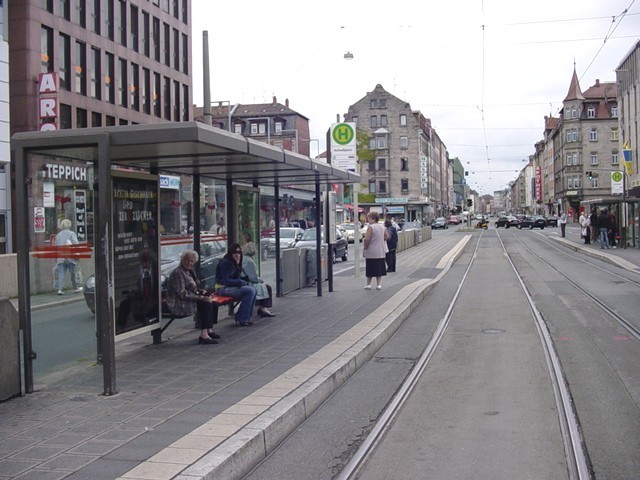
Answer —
48 101
65 172
343 145
80 203
48 194
392 200
170 182
38 219
538 184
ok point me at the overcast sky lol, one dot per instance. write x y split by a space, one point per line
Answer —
485 72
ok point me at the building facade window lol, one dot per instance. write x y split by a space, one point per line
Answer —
167 44
382 185
95 74
614 135
110 121
134 29
593 135
373 103
123 95
591 112
176 101
166 91
278 128
403 120
355 120
372 143
382 164
185 54
96 119
146 29
382 103
65 116
79 13
64 10
593 182
404 164
176 50
404 142
254 129
383 120
122 23
146 91
594 158
381 142
374 121
404 185
185 103
109 77
614 158
135 87
614 111
81 69
109 20
46 49
237 128
372 186
155 35
81 118
64 57
157 95
94 16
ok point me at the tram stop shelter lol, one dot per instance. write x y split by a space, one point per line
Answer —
108 180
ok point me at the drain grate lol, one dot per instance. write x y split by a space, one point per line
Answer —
493 330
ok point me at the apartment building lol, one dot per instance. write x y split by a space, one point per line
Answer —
586 146
92 63
5 146
410 172
95 63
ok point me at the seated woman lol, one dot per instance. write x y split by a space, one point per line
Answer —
229 282
264 292
184 297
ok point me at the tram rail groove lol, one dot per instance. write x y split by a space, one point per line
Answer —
626 324
577 460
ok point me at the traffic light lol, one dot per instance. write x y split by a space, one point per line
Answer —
589 174
469 202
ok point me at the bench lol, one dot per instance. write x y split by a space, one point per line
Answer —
218 301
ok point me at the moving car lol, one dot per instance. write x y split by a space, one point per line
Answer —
439 222
507 221
552 221
454 220
340 248
533 222
288 238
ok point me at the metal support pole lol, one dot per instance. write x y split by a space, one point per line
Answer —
206 106
356 231
318 240
279 279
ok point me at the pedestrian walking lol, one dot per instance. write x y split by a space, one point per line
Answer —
585 227
375 250
603 227
64 238
392 245
563 223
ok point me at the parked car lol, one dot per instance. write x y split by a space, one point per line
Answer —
411 226
507 221
552 221
440 222
533 222
212 250
349 231
454 220
340 248
288 238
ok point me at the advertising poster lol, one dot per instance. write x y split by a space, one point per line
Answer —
38 219
136 251
80 202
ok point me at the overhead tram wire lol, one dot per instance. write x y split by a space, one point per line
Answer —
484 127
612 28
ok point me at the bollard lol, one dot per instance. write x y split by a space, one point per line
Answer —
9 350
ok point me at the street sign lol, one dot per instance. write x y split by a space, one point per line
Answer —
343 145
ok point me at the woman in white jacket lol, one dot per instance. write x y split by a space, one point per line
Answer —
375 250
65 237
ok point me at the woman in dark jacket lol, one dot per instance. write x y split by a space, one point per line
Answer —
184 296
229 282
392 245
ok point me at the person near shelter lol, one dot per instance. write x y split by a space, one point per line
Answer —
185 297
374 251
563 223
248 247
593 218
229 283
603 228
264 292
392 245
65 237
585 228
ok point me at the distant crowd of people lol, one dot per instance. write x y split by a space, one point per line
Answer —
601 227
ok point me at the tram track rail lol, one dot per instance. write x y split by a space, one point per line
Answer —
576 456
626 324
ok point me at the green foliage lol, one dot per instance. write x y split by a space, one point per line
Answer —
366 197
365 154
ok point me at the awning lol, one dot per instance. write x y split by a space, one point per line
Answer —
348 206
